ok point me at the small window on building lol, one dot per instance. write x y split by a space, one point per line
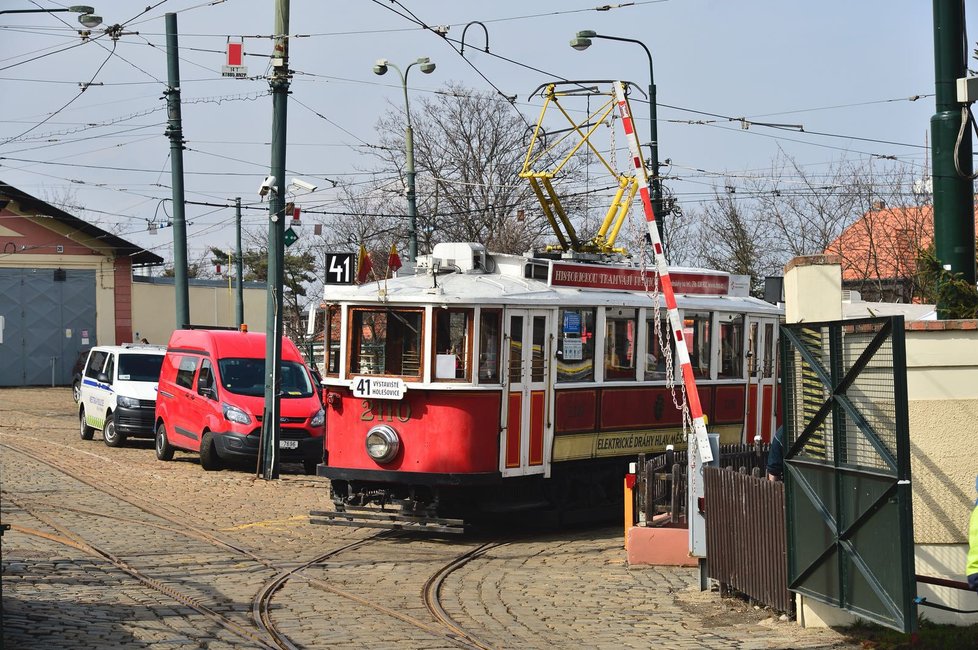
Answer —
655 353
332 335
386 342
489 340
185 372
621 326
696 331
731 347
575 345
453 331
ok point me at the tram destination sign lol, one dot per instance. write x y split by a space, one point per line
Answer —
378 387
588 276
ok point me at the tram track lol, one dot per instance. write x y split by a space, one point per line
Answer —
265 628
68 537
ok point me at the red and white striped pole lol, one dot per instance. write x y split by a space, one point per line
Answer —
692 396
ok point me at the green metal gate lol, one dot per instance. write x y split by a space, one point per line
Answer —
847 467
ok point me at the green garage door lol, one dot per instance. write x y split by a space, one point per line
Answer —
48 318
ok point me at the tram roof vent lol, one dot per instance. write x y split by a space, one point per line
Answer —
466 257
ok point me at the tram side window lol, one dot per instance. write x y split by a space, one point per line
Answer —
768 350
386 342
333 340
696 331
621 327
489 340
731 347
655 354
575 345
452 349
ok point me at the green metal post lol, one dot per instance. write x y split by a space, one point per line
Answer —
411 196
174 130
238 264
279 83
954 209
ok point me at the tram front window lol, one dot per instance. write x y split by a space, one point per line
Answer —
621 327
575 345
452 335
333 340
731 347
489 339
386 342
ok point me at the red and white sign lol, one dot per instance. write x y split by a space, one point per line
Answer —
234 64
588 276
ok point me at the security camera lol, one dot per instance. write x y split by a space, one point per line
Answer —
266 185
298 182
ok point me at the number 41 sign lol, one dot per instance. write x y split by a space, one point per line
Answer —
339 268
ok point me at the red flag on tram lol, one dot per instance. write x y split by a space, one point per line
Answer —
393 260
364 266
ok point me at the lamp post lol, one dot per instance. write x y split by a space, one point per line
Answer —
87 17
427 67
583 41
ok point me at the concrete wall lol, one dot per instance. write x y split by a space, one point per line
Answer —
211 303
942 383
942 391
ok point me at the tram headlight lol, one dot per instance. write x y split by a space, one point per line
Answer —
382 443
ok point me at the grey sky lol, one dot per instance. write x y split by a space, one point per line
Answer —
838 67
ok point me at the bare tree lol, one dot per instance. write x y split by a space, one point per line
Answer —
469 149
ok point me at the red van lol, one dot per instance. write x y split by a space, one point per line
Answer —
212 395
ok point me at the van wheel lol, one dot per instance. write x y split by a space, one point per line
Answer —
163 449
76 391
310 465
209 459
86 432
110 434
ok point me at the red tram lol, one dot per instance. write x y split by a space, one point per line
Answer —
490 382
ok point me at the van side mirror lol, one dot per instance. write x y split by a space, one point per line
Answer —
102 378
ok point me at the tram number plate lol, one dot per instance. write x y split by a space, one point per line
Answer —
378 388
288 444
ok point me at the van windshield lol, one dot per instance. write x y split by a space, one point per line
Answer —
140 367
247 377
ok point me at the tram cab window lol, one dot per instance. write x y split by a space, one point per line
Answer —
696 331
452 349
575 345
731 347
768 367
621 328
333 340
489 341
386 342
655 354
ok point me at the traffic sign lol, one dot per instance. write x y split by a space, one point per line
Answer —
339 268
289 237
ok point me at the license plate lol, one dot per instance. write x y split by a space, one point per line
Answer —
288 444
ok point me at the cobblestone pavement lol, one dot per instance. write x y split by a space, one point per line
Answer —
112 548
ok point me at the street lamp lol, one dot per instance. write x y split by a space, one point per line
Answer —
88 18
427 67
583 41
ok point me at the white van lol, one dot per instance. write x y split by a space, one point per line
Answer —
118 392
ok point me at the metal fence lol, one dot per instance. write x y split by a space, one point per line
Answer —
660 481
746 544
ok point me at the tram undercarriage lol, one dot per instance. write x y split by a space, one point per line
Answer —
577 492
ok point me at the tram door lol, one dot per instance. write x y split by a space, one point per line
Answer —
763 394
526 426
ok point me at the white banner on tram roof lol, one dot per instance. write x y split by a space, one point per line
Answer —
378 387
